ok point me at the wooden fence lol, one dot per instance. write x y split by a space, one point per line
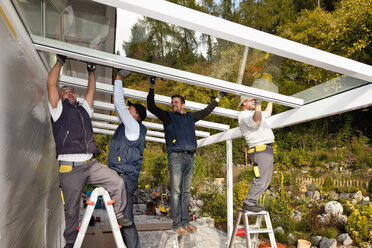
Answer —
340 183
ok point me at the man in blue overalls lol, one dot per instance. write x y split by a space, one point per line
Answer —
126 151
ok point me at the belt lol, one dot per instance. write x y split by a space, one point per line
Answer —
259 148
189 152
75 163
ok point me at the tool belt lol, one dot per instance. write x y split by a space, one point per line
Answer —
66 166
259 148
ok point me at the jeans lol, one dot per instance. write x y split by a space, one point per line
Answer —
130 234
181 169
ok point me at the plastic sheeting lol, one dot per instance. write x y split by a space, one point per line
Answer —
30 204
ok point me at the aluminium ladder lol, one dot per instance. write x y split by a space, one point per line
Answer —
111 215
255 229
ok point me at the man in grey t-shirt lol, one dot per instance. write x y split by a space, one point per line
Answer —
260 138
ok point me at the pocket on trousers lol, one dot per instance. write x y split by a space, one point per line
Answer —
65 168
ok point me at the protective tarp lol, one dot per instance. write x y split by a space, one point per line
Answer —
30 205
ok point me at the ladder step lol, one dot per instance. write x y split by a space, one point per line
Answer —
241 231
260 231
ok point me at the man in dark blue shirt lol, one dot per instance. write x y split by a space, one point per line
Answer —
179 128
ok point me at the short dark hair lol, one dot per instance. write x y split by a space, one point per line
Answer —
180 97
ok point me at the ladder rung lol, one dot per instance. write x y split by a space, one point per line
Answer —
241 231
260 231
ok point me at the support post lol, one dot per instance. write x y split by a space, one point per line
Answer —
229 179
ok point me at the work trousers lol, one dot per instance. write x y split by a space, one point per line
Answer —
181 169
130 234
72 184
265 161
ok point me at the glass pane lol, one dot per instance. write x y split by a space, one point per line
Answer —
88 24
83 22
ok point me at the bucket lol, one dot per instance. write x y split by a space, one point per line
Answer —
301 243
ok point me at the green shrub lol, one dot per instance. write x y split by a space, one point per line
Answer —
328 184
359 224
330 233
215 203
280 209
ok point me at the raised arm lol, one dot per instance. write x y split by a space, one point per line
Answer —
257 116
158 112
132 129
53 76
91 89
201 114
269 108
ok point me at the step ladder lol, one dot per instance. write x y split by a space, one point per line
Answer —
255 230
91 203
177 240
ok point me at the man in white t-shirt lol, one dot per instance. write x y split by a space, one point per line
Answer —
260 138
75 146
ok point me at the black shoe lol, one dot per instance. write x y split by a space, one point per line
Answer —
124 222
69 246
253 208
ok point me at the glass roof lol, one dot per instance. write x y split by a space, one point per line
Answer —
92 25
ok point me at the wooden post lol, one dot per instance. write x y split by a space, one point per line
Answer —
246 157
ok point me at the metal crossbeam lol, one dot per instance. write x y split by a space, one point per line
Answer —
117 61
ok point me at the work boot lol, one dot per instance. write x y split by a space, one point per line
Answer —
190 228
124 222
180 231
253 208
61 59
69 246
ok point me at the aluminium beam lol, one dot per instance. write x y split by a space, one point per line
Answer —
109 132
188 18
201 123
343 102
107 126
156 126
141 95
120 62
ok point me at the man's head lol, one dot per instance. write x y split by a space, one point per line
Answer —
177 104
138 111
67 92
247 103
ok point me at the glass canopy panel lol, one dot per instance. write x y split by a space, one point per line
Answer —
81 22
160 43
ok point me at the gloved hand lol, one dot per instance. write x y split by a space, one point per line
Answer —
123 73
221 94
61 59
257 101
152 80
91 67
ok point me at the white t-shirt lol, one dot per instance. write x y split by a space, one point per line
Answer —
255 135
56 113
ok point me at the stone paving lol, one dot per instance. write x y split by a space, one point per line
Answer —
206 237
